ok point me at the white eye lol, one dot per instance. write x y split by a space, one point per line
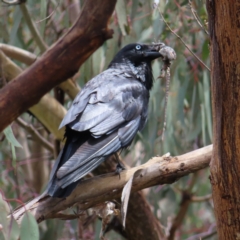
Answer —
138 47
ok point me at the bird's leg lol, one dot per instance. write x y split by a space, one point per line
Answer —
119 166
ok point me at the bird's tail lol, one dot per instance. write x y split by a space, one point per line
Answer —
73 142
81 154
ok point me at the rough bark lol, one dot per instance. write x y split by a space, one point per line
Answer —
107 187
139 214
60 62
224 29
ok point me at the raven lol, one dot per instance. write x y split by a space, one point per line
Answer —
105 116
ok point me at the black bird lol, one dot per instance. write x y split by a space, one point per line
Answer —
105 116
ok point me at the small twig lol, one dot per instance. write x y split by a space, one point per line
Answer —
36 134
204 235
196 17
183 42
50 15
64 216
36 35
202 198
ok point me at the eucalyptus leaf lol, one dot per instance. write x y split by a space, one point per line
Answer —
122 16
4 210
14 229
10 137
43 15
29 228
17 17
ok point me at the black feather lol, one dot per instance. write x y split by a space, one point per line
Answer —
104 117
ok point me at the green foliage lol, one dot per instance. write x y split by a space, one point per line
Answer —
10 228
10 137
13 142
29 227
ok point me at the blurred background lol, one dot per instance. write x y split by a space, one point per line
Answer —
25 161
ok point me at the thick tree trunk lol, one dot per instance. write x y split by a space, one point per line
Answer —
224 28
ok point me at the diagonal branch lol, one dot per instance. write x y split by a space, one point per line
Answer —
48 110
68 86
158 170
60 62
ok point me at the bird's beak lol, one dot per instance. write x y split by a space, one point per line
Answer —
153 51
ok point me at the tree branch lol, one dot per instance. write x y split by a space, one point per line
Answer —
201 198
158 170
60 62
68 86
48 110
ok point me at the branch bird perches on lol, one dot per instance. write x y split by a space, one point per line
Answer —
88 193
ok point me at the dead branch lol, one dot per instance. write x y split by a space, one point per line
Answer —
60 62
158 170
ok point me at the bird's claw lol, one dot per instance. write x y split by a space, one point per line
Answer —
119 169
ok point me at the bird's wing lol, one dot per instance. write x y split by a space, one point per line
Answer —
113 103
93 152
111 91
112 115
82 99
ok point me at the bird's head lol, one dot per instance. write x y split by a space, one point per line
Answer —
137 53
138 58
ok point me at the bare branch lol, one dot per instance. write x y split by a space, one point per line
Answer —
68 86
158 170
202 198
205 235
196 17
36 35
18 54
